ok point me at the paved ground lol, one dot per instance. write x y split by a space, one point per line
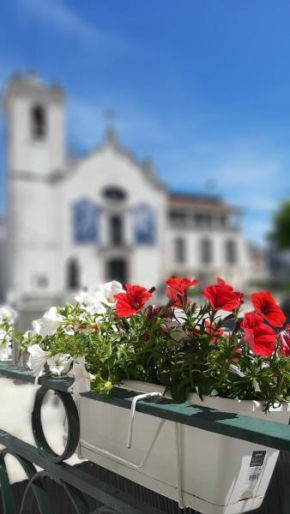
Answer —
16 402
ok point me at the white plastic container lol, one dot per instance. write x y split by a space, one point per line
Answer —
211 473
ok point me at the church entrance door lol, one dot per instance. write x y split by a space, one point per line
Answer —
117 270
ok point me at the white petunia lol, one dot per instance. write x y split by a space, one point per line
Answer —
69 330
28 333
59 364
5 353
4 337
38 358
8 314
5 345
91 302
109 290
49 323
83 298
82 382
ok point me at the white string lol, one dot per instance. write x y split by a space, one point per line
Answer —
133 410
126 462
179 464
116 458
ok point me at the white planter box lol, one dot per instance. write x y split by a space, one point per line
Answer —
218 474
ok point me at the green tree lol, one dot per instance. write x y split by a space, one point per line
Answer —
281 231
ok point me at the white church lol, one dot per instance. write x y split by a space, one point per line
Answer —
73 224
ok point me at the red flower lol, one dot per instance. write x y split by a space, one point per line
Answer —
222 296
251 321
216 333
177 289
237 355
265 305
132 301
284 338
260 336
152 311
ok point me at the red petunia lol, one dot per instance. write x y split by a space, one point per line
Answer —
284 338
260 336
251 321
216 333
265 305
132 301
238 354
177 289
222 296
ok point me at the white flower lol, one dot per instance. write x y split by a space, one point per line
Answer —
28 333
109 290
83 298
91 303
4 337
82 377
69 330
5 344
49 323
8 314
5 353
59 364
38 358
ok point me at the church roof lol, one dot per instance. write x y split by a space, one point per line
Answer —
112 141
200 201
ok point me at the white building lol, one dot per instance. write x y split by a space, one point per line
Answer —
105 216
2 259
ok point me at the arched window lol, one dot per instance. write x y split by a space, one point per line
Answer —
180 249
73 274
114 194
231 252
206 251
38 122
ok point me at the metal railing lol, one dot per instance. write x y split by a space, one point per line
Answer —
78 484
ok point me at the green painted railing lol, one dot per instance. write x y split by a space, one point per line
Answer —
76 482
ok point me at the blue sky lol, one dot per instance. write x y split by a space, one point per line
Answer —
203 86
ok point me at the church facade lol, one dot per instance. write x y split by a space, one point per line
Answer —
76 223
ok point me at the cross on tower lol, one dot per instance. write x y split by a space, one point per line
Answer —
110 117
110 132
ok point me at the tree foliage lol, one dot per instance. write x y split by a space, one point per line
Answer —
281 232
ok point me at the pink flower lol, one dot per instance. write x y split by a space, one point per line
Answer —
284 338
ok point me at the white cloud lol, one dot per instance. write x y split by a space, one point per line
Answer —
62 17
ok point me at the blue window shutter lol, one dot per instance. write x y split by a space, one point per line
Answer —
85 219
144 224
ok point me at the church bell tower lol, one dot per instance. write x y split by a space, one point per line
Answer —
34 115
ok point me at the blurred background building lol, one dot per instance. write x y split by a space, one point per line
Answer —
74 223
